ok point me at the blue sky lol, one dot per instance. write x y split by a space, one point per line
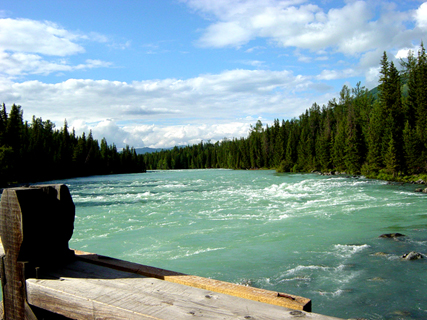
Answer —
159 73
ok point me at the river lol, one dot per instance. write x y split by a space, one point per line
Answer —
303 234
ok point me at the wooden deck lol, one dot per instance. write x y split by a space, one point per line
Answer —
83 290
83 285
91 289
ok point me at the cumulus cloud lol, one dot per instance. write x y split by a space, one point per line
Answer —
28 47
18 64
240 92
405 52
161 136
124 112
350 29
337 74
421 16
357 29
113 133
157 136
290 24
24 35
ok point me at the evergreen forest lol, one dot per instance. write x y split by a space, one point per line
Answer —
380 133
36 151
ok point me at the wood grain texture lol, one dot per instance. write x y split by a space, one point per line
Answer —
34 223
84 290
13 283
256 294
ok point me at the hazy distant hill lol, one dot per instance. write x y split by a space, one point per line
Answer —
404 88
149 150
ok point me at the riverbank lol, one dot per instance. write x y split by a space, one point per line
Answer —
417 179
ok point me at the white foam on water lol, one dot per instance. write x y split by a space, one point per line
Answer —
393 257
302 268
335 293
345 277
282 216
173 185
297 279
87 198
97 236
346 250
417 242
144 194
189 253
397 204
285 191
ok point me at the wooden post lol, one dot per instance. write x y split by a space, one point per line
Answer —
36 224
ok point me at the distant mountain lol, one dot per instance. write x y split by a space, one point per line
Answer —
149 150
374 92
404 87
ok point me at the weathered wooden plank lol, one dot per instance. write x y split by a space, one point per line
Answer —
256 294
83 290
34 222
13 270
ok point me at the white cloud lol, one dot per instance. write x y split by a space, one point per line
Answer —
122 111
224 34
351 29
28 47
113 133
237 91
156 136
256 48
337 74
404 53
421 16
24 35
254 63
18 64
360 30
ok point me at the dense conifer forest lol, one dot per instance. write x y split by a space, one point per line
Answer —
36 151
380 133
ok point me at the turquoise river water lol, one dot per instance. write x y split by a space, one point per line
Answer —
302 234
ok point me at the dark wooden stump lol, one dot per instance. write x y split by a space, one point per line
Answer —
36 224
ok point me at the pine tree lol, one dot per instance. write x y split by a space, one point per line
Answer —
352 157
411 147
14 128
411 102
391 161
375 135
339 147
421 121
3 124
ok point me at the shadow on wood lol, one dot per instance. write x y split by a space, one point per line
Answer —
34 222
